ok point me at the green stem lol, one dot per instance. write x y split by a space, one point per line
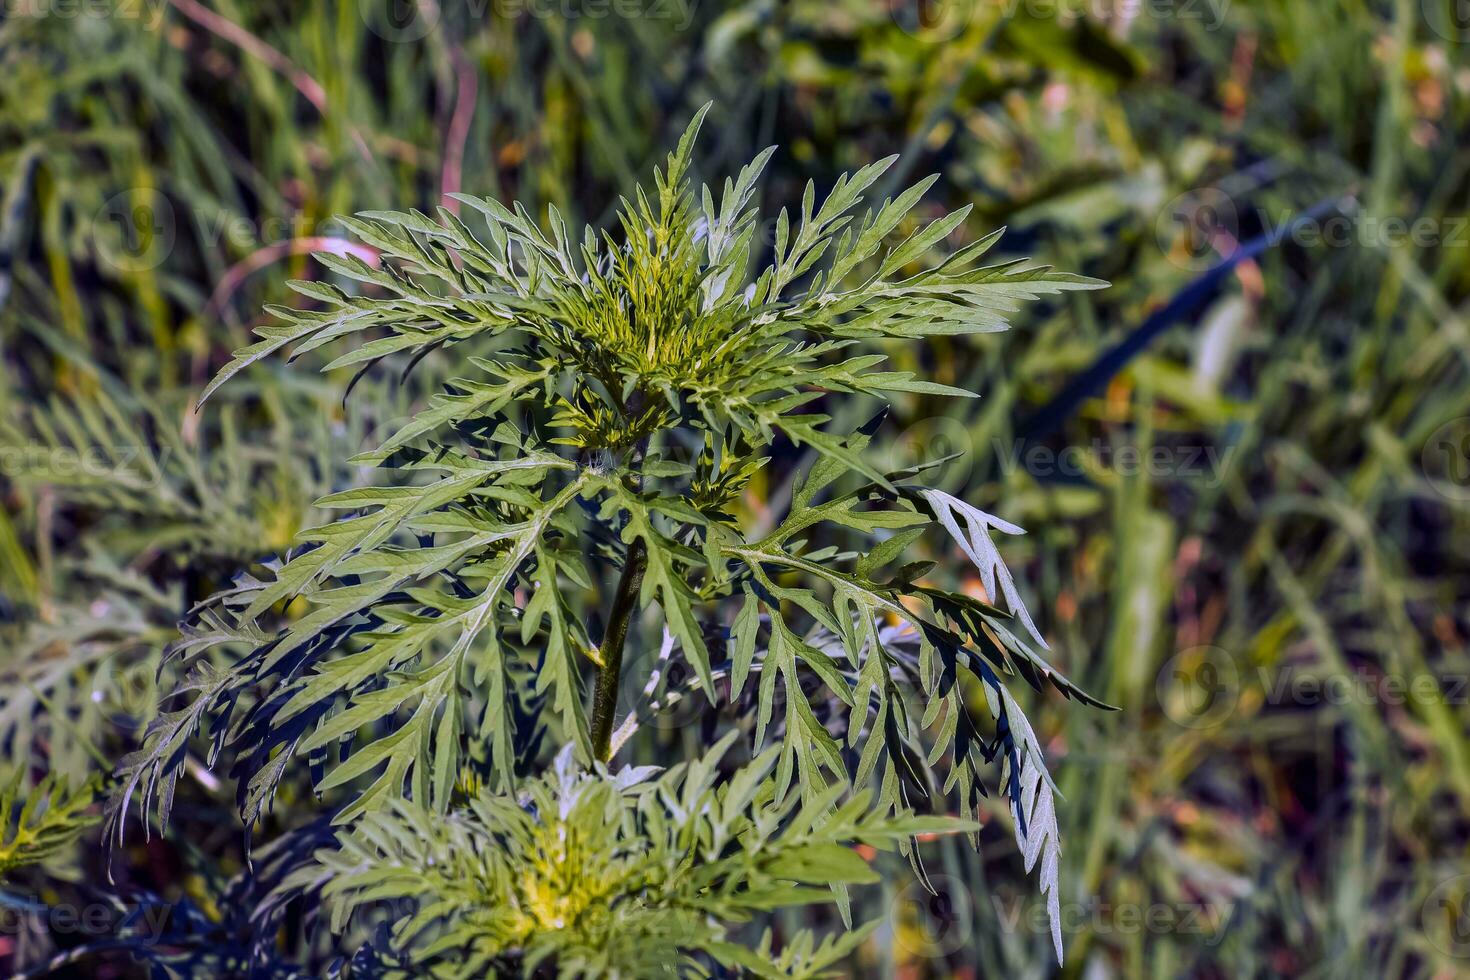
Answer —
625 601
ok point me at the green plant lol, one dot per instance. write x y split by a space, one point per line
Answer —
161 512
42 822
546 874
628 390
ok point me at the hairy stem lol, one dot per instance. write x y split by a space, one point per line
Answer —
625 601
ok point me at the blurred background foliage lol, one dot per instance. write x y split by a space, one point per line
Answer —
1248 526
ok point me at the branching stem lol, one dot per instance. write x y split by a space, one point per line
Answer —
625 602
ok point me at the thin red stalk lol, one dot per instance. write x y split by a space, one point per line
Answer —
227 30
467 87
276 251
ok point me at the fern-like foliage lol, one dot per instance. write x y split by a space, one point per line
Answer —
40 823
630 874
151 511
625 390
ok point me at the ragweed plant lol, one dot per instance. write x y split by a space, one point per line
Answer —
548 874
40 823
583 479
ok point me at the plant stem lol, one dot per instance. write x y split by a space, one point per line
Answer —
625 601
